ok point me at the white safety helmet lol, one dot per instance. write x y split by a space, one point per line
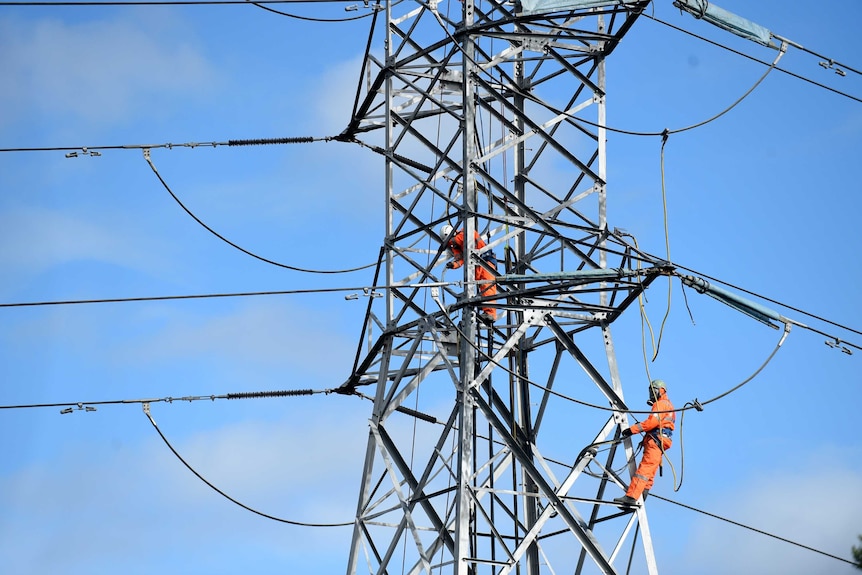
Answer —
445 231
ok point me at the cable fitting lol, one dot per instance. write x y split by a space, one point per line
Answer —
838 344
80 407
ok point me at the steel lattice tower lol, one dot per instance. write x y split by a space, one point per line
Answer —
478 459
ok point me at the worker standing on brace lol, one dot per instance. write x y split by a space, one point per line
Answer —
456 246
658 430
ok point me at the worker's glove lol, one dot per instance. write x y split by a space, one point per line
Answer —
627 432
450 265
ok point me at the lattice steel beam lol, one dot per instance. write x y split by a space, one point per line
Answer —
492 120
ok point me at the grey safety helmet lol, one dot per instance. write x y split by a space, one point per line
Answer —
445 231
656 387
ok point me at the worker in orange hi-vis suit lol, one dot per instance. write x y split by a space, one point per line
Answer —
658 428
456 246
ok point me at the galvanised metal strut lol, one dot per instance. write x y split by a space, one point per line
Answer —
490 117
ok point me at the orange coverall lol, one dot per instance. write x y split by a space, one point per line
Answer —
456 246
658 427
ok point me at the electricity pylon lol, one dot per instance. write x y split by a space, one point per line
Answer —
494 449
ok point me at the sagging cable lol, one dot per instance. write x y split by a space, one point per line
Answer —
753 310
232 244
741 303
696 405
699 406
146 407
656 347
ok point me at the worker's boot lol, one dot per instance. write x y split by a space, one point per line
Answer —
626 501
487 318
645 494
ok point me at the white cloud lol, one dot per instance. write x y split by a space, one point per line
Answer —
95 509
34 239
304 452
333 99
817 506
99 71
261 333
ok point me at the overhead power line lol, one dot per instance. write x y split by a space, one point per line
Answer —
760 531
374 10
185 398
287 393
695 404
165 2
772 301
372 291
96 150
170 146
830 62
182 297
759 61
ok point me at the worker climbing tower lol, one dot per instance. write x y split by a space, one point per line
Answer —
493 448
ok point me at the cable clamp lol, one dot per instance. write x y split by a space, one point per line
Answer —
837 344
80 407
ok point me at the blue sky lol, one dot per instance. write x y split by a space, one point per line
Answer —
766 197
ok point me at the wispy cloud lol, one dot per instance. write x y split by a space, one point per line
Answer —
261 333
34 238
98 71
817 506
142 497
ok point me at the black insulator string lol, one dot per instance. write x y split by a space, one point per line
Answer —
270 394
271 141
228 497
230 243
